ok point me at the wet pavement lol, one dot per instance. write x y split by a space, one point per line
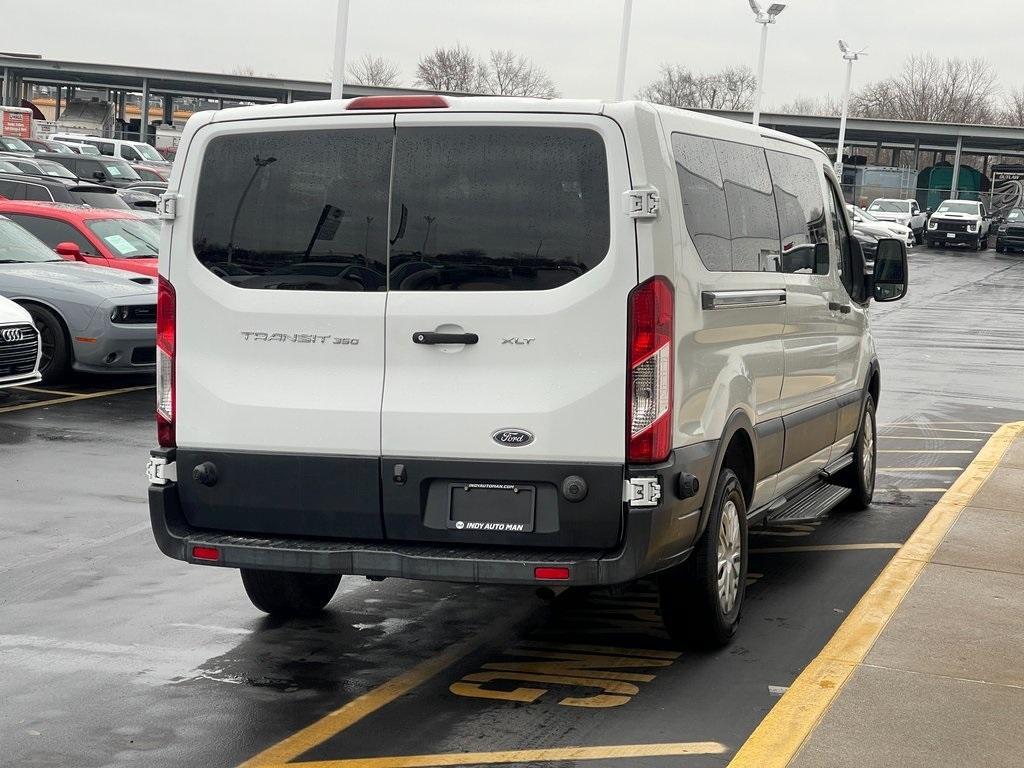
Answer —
112 655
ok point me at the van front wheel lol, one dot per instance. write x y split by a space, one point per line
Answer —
285 594
700 599
860 475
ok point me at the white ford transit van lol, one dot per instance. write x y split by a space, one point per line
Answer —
506 340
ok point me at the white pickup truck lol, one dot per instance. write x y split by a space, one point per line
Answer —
959 222
905 212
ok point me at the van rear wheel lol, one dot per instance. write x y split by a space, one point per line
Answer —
860 476
701 599
285 594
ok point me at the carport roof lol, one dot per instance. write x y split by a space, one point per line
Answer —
177 82
977 139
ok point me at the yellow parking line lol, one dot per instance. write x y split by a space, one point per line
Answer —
825 548
73 398
46 391
620 751
778 738
335 722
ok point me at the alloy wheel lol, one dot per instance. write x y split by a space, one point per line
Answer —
729 556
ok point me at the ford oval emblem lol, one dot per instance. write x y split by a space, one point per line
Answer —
513 438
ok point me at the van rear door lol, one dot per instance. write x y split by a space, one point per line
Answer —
277 257
510 267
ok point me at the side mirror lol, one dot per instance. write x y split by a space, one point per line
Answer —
889 282
69 251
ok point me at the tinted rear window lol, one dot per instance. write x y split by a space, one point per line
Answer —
497 208
296 210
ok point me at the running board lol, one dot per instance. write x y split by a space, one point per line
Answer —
812 504
836 467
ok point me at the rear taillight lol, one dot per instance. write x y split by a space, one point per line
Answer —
649 375
165 332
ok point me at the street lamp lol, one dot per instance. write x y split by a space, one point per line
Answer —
340 38
850 56
764 18
627 17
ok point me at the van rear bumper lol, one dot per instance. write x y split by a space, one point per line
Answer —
635 557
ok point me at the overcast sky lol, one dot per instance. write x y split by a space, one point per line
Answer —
575 40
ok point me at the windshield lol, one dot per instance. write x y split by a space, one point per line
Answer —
17 245
8 167
126 238
87 149
148 152
1017 214
14 144
889 206
119 169
51 168
56 146
863 214
956 206
109 200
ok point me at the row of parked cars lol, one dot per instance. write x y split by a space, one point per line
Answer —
79 237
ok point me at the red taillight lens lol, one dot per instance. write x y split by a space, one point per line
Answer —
551 574
205 553
398 102
649 375
166 311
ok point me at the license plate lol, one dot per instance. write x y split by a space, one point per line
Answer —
951 235
491 507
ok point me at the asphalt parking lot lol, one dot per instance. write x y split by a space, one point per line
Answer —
112 655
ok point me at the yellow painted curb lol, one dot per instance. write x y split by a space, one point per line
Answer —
776 741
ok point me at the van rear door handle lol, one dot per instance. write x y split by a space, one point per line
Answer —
835 306
430 337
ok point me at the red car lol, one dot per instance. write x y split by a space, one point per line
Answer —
147 172
108 238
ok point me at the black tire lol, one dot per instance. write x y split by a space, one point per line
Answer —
929 244
285 594
983 243
918 237
860 476
691 609
1000 249
56 360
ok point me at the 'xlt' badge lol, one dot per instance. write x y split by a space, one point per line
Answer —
512 437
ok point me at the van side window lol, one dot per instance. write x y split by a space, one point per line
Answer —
303 210
753 224
704 207
801 213
837 221
497 208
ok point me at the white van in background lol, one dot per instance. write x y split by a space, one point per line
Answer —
132 151
517 341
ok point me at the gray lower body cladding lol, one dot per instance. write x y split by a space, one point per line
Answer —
392 517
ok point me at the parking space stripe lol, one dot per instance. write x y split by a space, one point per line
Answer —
911 450
930 428
936 439
337 721
62 393
914 490
825 548
73 398
622 751
920 469
776 741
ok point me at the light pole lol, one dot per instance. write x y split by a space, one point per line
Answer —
627 17
764 18
340 37
850 57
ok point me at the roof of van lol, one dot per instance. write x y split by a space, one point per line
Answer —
499 104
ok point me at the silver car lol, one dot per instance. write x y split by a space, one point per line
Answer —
89 318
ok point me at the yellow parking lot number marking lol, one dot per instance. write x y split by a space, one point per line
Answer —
779 737
619 751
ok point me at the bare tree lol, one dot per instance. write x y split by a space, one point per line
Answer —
508 74
374 70
677 86
823 106
452 69
928 88
1013 108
